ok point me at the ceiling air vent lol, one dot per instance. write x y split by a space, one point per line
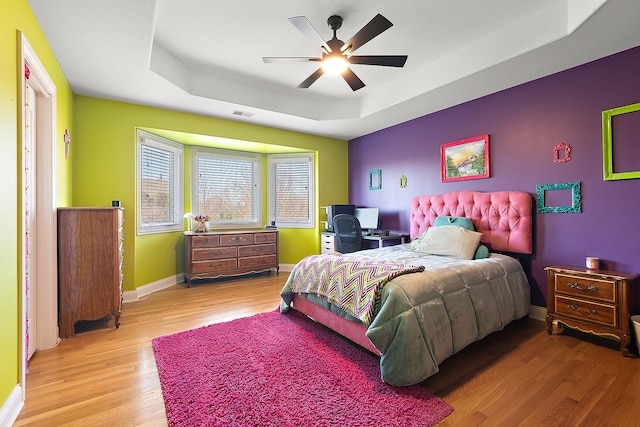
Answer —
242 113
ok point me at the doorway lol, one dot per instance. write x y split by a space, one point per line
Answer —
38 207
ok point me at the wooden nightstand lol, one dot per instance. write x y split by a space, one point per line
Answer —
593 301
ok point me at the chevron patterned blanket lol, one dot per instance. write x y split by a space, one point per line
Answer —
353 284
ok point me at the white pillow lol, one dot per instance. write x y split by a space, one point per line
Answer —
416 240
448 240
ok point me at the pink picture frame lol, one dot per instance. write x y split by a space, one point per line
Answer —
465 159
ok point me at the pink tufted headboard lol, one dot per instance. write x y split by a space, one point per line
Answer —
503 217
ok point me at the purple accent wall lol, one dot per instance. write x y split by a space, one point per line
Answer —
524 124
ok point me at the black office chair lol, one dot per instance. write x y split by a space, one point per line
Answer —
348 233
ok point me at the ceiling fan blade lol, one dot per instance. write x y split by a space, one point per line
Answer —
312 78
306 28
353 80
384 60
282 59
376 26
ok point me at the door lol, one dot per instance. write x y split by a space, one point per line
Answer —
29 217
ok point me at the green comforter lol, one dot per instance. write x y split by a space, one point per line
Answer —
425 317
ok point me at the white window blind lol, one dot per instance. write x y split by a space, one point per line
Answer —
291 190
159 184
226 187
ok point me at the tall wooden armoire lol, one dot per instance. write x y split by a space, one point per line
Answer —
90 254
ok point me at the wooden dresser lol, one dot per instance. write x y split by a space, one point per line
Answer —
217 254
90 254
593 301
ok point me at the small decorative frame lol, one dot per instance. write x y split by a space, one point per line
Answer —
403 181
375 179
563 150
576 197
607 143
465 159
67 143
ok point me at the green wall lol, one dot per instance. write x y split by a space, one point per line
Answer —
17 16
102 164
104 169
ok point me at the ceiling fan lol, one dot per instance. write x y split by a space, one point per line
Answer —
338 55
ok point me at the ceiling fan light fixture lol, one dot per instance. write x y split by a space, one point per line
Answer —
334 64
337 56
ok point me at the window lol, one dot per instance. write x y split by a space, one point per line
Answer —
160 197
226 186
291 202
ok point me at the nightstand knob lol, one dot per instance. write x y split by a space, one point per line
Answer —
588 312
577 286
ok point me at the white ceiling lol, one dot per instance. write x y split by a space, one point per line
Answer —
205 56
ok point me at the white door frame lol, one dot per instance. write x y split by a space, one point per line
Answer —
46 322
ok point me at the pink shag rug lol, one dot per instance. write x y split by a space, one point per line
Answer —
276 369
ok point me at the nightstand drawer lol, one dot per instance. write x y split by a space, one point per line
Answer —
600 289
585 310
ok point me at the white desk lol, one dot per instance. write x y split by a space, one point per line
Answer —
328 244
381 239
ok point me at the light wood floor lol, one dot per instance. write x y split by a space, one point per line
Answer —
520 376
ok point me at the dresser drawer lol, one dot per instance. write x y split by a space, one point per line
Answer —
205 241
236 239
214 266
600 289
214 253
244 251
585 310
265 237
261 262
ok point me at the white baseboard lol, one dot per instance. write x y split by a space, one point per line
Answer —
149 288
158 285
11 407
286 267
538 313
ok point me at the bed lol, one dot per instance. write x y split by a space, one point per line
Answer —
426 307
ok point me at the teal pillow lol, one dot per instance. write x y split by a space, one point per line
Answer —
482 251
454 220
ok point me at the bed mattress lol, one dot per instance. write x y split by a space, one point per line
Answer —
425 317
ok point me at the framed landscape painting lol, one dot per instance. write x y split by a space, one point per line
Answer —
465 159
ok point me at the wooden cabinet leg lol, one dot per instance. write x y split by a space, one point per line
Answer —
625 340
